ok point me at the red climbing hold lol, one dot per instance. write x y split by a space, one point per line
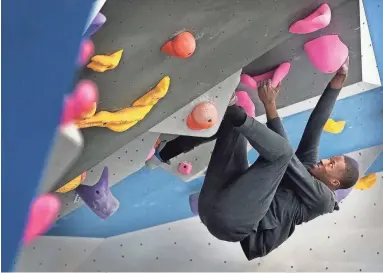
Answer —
181 46
317 20
203 116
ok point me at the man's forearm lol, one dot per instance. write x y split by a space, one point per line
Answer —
271 111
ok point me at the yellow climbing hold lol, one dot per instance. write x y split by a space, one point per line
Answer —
91 112
334 127
126 118
366 182
101 63
74 183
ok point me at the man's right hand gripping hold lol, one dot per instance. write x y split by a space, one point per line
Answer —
259 206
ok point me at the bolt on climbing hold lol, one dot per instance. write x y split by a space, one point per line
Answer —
81 103
334 127
203 116
185 167
327 53
182 46
366 182
43 213
102 63
126 118
98 197
73 184
317 20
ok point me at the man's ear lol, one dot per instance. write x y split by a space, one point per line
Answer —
335 183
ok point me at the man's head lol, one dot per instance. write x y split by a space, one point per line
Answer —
338 172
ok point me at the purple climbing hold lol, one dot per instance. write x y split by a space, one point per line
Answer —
99 197
342 193
193 201
96 24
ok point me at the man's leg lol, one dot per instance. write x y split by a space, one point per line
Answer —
182 144
233 200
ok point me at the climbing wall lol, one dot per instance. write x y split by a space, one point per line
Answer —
364 76
347 240
229 35
127 160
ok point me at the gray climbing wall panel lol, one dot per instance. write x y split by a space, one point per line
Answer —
127 160
219 95
304 81
230 34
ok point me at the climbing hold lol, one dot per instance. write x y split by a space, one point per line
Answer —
342 194
280 73
86 50
124 119
327 53
43 213
81 102
193 201
248 81
96 24
101 63
318 19
181 46
203 116
244 100
185 168
366 182
74 183
334 127
98 197
151 153
276 75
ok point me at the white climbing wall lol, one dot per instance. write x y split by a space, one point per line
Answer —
348 240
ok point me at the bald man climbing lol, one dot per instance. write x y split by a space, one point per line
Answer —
260 205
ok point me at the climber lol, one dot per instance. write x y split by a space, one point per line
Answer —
259 206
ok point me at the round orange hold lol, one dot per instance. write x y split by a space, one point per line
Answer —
181 46
203 116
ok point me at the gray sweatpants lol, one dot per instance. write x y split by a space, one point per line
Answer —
234 196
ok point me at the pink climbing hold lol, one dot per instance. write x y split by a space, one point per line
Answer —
86 51
317 20
151 153
81 101
245 102
280 73
276 75
327 53
185 168
248 81
43 213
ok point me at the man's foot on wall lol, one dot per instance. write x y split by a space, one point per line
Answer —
340 77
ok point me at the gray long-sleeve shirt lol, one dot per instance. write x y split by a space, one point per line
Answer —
300 197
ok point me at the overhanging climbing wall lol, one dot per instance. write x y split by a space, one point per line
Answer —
304 84
230 34
347 240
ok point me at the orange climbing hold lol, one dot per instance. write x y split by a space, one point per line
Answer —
182 46
203 116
